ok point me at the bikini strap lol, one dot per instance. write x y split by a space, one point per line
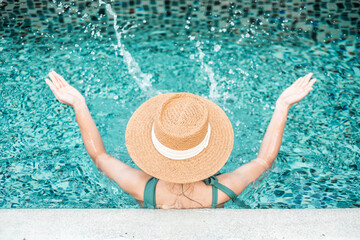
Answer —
214 197
149 193
216 185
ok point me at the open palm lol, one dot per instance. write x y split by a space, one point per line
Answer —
297 91
62 90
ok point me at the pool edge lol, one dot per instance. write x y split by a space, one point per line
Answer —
178 224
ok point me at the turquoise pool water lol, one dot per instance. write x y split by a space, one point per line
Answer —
45 165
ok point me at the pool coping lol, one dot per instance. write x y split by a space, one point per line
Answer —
102 224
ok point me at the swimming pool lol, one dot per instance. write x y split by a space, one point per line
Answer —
241 55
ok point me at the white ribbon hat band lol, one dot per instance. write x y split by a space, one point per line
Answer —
180 154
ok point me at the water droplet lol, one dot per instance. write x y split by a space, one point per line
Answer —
217 48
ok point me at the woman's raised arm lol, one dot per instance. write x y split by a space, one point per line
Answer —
270 145
68 95
129 179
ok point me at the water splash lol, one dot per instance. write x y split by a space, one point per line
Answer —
214 95
142 79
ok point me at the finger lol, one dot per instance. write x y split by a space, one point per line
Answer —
53 79
308 76
53 88
63 81
306 80
58 78
309 89
312 82
296 83
56 75
51 85
302 82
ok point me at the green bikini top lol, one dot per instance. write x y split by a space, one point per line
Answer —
149 193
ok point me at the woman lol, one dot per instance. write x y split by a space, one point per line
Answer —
183 140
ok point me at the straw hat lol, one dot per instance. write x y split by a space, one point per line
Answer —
179 137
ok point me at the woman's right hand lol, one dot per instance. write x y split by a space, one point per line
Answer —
63 91
297 91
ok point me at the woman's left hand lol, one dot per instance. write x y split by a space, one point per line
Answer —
63 91
297 91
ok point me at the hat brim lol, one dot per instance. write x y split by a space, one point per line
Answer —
208 162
